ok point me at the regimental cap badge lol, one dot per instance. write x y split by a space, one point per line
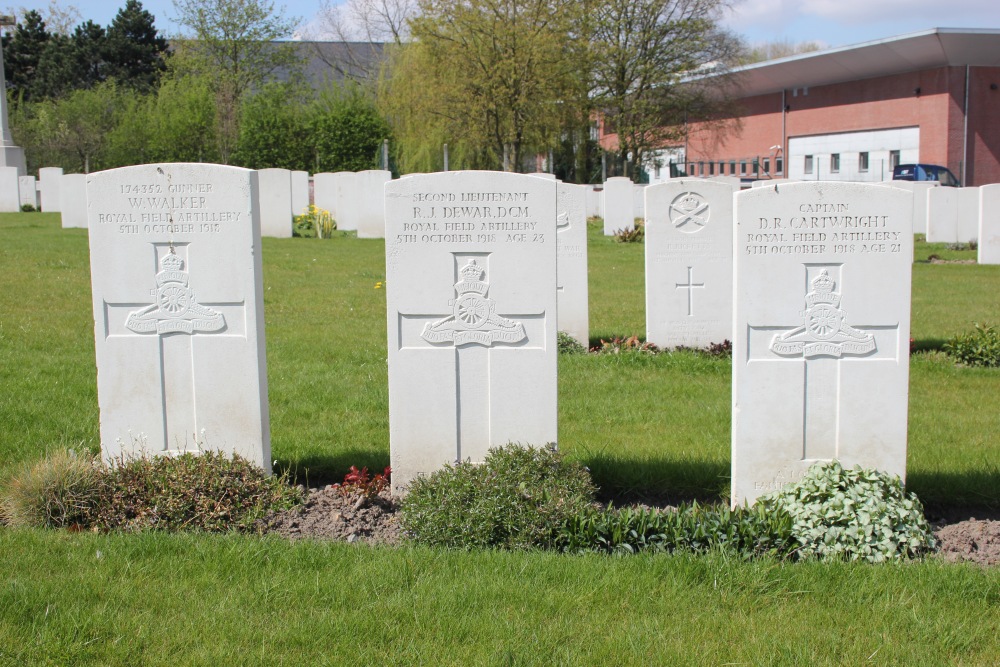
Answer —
822 290
171 270
689 202
472 280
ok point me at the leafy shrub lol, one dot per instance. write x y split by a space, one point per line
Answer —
747 531
28 208
315 222
634 235
362 482
980 347
970 245
618 345
56 492
205 491
854 514
566 344
519 498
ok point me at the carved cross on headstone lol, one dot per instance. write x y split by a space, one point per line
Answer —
690 286
470 331
821 343
173 319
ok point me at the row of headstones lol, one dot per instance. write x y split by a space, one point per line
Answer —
820 281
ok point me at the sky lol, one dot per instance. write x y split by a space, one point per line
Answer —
829 22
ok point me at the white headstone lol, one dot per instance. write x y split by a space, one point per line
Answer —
968 214
10 198
639 200
919 190
595 201
370 201
28 191
471 307
689 263
175 260
275 202
300 192
571 240
822 324
49 179
544 174
337 193
989 224
942 215
618 205
73 200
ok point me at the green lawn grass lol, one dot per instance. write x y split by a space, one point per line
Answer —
648 425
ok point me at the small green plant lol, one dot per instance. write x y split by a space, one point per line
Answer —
518 498
314 222
28 208
566 344
980 347
205 491
634 235
58 491
970 245
855 514
620 344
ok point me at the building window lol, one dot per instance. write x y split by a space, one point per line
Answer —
732 167
767 165
808 164
835 163
779 165
711 169
743 167
863 161
893 159
756 166
656 171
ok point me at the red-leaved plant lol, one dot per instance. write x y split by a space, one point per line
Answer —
361 481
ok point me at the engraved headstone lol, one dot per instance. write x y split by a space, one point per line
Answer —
968 214
822 320
10 199
919 190
300 192
275 202
595 201
689 263
471 307
49 179
618 205
28 191
989 224
73 200
345 200
179 321
571 240
370 202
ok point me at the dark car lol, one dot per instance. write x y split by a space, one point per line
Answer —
925 172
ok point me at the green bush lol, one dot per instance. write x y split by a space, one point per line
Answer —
314 222
566 344
55 492
747 531
853 514
634 235
206 491
519 498
980 347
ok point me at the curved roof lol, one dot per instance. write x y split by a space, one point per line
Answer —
938 47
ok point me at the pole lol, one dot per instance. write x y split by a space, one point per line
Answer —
446 157
385 154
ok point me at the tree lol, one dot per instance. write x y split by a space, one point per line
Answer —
22 53
778 49
644 54
347 130
88 46
233 43
136 53
274 132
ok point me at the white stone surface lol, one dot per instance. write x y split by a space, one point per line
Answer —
370 201
179 320
638 201
919 190
942 215
73 200
471 309
544 174
989 224
300 192
689 262
822 322
595 201
28 190
571 241
275 202
337 193
49 179
10 199
618 205
968 214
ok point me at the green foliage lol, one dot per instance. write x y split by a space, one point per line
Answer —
626 345
314 222
57 491
855 514
634 235
274 130
518 498
136 53
980 347
748 532
566 344
28 208
347 130
205 491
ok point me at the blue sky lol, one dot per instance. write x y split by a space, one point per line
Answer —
830 22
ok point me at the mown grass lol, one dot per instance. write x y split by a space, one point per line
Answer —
646 425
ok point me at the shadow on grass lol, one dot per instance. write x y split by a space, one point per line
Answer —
658 481
950 493
927 345
317 471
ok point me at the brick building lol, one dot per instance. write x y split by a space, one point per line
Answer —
852 113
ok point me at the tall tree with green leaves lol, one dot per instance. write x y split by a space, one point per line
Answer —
88 51
136 53
235 44
22 52
645 54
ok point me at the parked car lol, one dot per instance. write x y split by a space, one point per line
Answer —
925 172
